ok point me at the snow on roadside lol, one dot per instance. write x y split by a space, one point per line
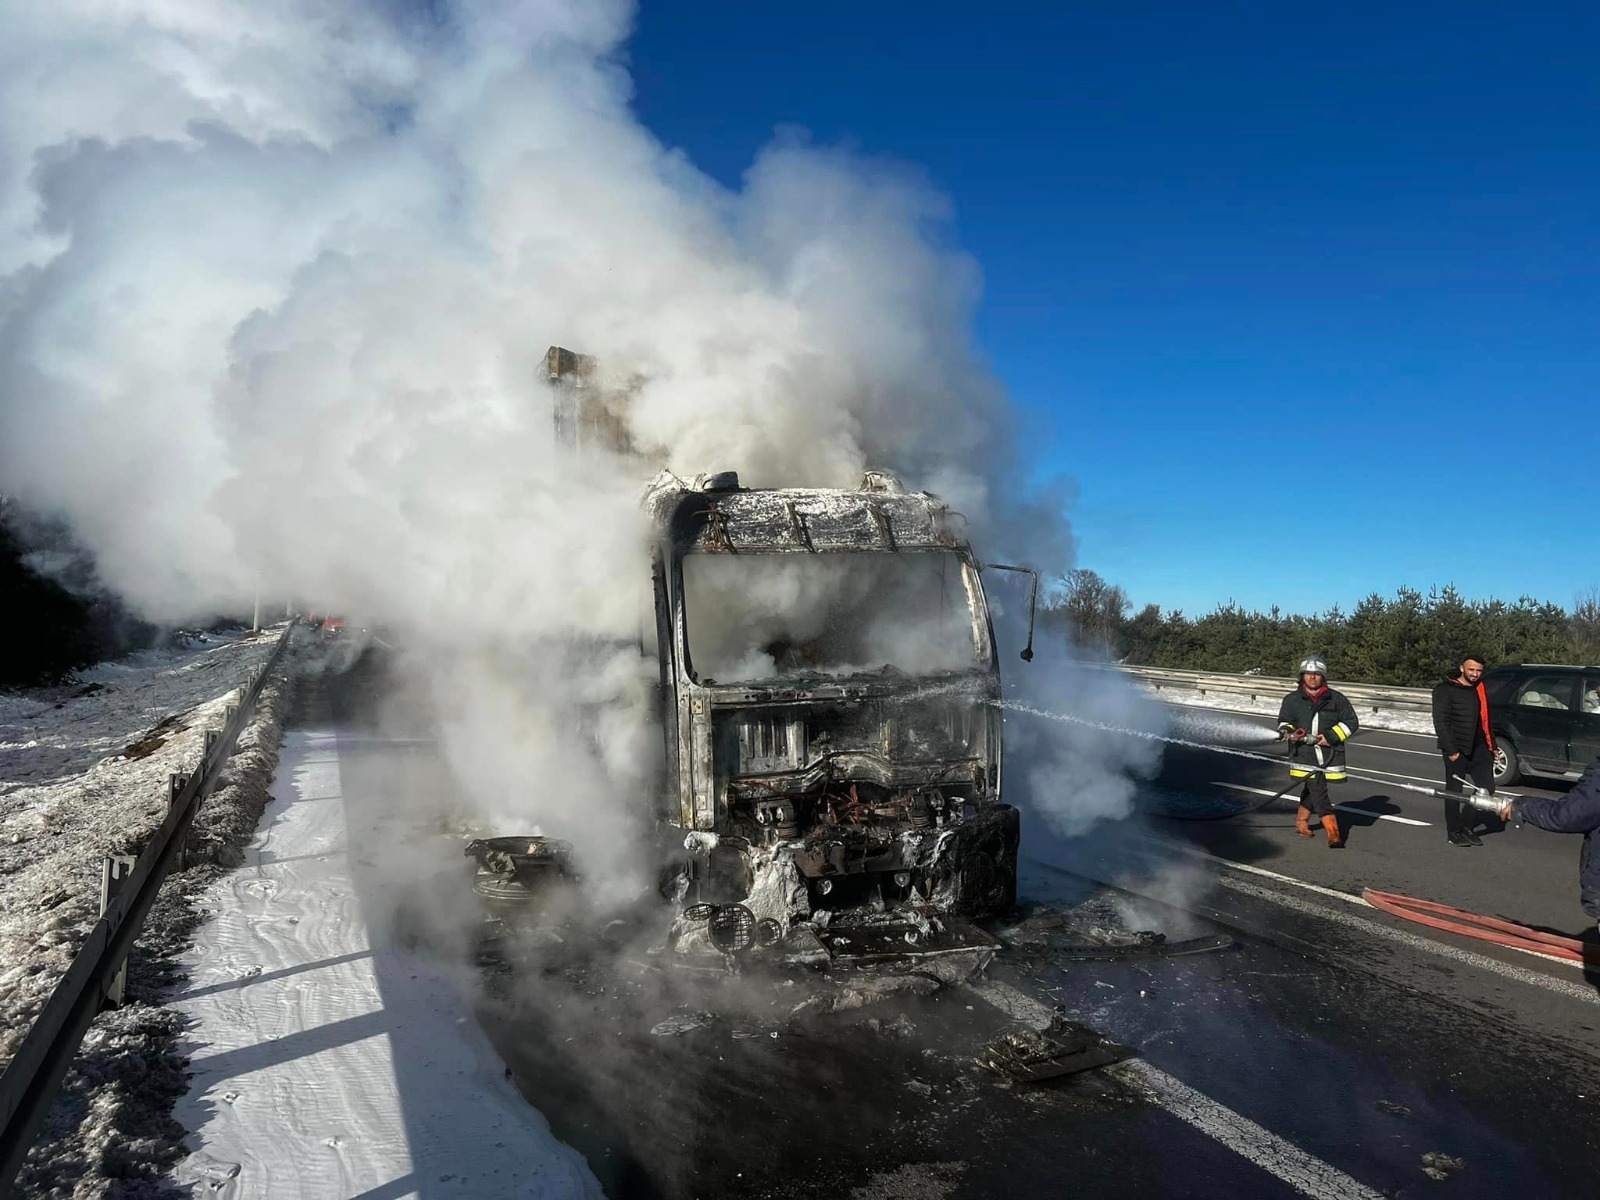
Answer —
49 734
110 1132
1402 722
326 1059
84 778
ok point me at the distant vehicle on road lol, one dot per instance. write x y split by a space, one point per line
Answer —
332 627
1546 719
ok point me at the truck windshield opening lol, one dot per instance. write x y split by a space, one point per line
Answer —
765 616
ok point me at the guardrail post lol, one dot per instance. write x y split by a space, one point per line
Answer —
175 784
114 874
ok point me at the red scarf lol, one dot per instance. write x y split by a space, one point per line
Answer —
1316 695
1483 713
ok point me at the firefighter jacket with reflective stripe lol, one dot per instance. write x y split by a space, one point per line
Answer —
1331 715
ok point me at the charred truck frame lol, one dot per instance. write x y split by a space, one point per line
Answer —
829 691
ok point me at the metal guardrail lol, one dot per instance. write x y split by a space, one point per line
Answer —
32 1078
1367 697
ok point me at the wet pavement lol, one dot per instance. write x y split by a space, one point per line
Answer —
1355 1053
1366 1075
1395 838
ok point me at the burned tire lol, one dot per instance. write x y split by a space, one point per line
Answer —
980 878
1005 893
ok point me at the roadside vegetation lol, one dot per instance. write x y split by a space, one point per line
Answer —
1406 640
62 618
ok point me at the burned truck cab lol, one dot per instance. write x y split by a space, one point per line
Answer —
829 688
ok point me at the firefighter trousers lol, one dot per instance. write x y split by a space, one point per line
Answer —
1314 795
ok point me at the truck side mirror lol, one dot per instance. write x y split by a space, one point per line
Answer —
1033 600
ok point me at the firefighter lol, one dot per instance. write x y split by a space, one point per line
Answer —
1316 721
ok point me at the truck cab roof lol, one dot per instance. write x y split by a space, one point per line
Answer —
713 514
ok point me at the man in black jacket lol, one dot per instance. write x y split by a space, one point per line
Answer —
1316 721
1576 812
1461 721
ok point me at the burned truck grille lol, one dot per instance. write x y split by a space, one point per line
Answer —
770 742
774 741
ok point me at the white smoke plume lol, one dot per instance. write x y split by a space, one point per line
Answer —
276 280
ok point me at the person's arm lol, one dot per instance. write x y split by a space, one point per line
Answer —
1286 726
1576 812
1347 724
1441 722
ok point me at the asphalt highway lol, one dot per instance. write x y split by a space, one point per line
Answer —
1325 1052
1395 839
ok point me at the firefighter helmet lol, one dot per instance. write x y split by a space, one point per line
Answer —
1313 666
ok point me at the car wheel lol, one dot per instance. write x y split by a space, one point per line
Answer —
1507 768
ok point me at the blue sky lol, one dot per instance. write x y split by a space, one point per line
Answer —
1306 303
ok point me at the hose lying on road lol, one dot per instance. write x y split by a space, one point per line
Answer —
1487 929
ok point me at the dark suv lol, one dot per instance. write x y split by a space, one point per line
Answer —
1546 718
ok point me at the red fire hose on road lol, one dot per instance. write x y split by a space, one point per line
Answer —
1488 929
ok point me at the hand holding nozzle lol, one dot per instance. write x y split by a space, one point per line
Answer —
1296 736
1483 799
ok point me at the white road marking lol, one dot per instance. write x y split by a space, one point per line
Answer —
1394 749
1564 987
1349 808
1305 1173
1167 849
1428 779
1334 893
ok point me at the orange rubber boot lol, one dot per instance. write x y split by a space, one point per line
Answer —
1302 821
1331 824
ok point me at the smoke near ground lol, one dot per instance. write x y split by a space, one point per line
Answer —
275 285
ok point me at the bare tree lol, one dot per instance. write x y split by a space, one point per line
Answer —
1094 609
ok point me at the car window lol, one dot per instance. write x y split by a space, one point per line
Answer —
1547 691
1590 700
1498 686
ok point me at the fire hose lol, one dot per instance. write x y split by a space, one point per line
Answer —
1488 929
